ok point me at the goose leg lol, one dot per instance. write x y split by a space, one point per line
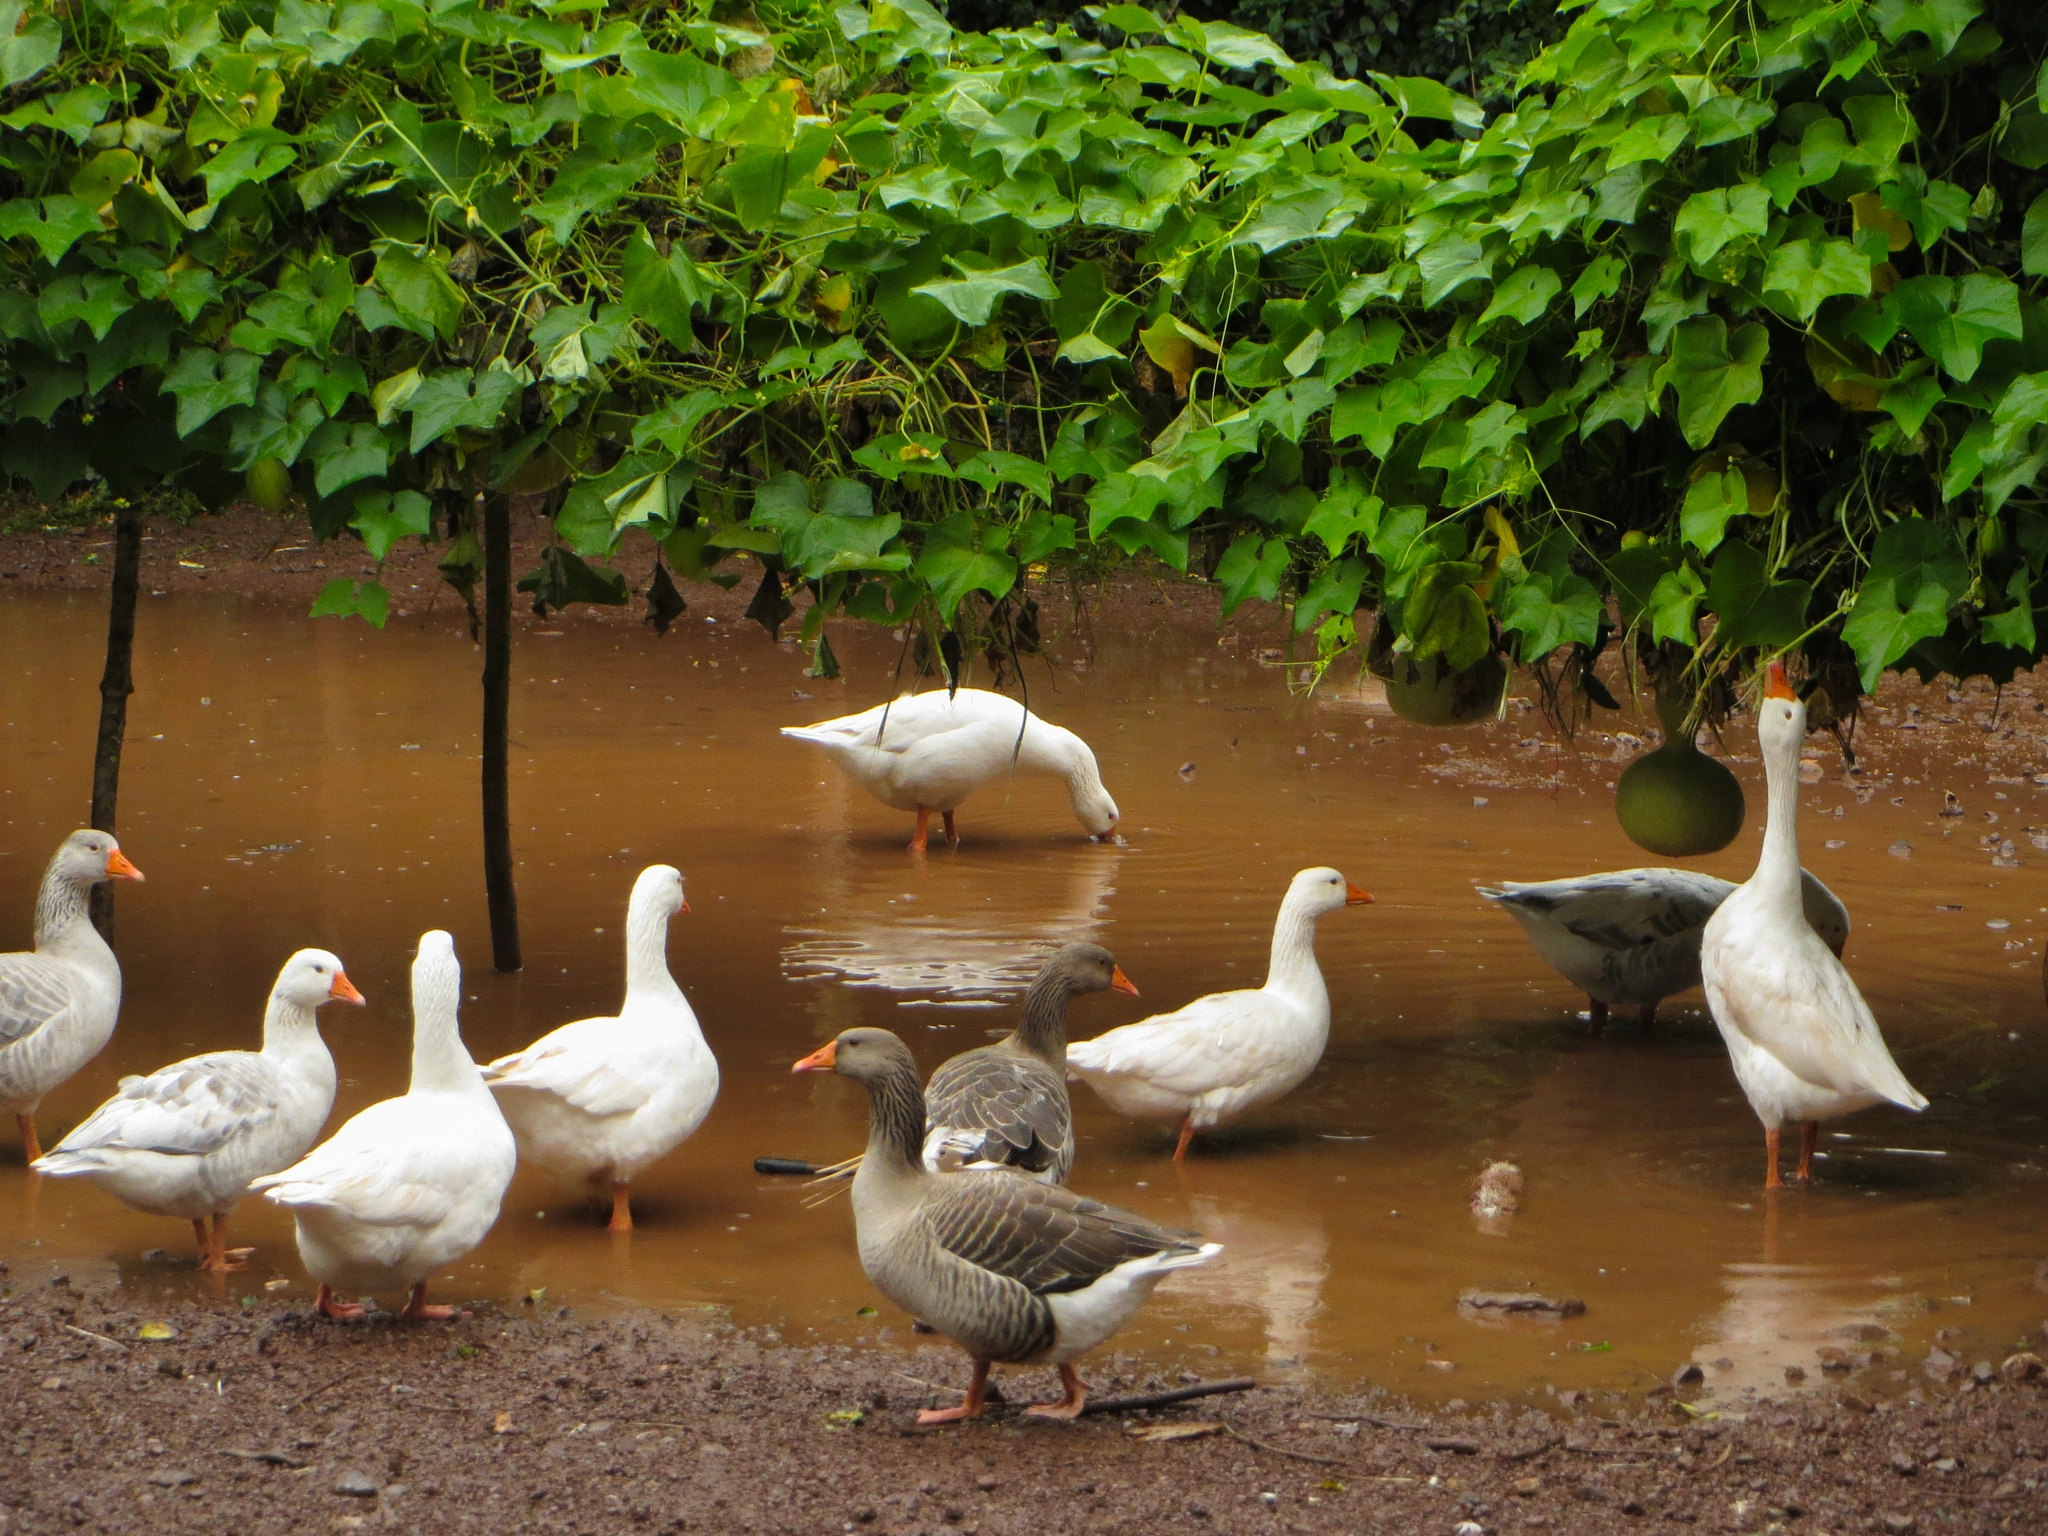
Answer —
622 1210
31 1149
1809 1135
952 836
325 1304
220 1257
977 1394
1187 1135
205 1242
1771 1179
924 822
416 1306
1069 1406
1597 1012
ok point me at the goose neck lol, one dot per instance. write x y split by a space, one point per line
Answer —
896 1126
1777 867
647 973
291 1034
1293 967
61 911
440 1061
1043 1029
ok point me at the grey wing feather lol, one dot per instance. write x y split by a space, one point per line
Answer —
32 992
189 1108
1016 1104
1046 1238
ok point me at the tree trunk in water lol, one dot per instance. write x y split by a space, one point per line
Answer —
116 683
504 903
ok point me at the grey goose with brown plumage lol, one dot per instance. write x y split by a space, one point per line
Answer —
1005 1105
1012 1270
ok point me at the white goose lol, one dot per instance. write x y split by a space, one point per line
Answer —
1226 1054
187 1139
58 1003
410 1184
1631 937
594 1102
928 752
1802 1040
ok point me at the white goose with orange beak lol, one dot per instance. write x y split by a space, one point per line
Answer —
1803 1043
187 1139
59 1001
1224 1055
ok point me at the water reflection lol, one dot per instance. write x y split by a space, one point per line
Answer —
1273 1264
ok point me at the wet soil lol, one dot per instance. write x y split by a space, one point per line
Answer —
255 1417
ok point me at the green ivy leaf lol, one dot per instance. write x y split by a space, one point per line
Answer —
664 292
1673 609
54 223
71 113
421 294
1442 614
26 49
1253 566
345 452
1952 320
1709 221
2015 626
1709 502
1750 608
958 559
345 599
1880 630
1809 272
1333 589
2034 238
385 517
1713 372
455 397
972 296
1552 610
1523 296
207 382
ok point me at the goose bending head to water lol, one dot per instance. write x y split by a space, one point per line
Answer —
1014 1271
58 1002
594 1102
1005 1105
1631 937
1226 1054
1803 1042
187 1139
927 752
411 1184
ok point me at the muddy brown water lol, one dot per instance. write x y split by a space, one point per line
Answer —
292 782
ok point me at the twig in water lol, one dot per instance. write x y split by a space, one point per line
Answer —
344 1376
1139 1400
87 1333
1532 1452
1325 1461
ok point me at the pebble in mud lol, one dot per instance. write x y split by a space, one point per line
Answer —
355 1485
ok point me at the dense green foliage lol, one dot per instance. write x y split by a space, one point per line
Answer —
1730 317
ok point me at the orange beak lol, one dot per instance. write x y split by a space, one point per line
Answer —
685 906
1354 897
118 867
1776 685
343 990
1119 982
823 1059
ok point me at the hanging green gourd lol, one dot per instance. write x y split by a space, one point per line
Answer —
1677 801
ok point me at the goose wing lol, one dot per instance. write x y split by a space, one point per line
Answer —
580 1065
33 991
1796 1001
999 1107
1619 909
384 1170
1043 1236
1213 1040
188 1109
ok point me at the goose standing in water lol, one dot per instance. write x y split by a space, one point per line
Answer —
59 1001
595 1102
1800 1037
1014 1271
927 752
411 1184
1631 937
187 1139
1005 1105
1224 1055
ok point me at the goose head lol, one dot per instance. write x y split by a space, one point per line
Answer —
1322 889
1780 717
659 892
1088 968
868 1056
88 856
313 978
1095 810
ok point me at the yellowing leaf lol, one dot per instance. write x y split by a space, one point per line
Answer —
1156 1433
1171 345
1871 213
156 1331
501 1423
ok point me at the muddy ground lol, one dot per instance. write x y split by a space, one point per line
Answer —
253 1417
256 1417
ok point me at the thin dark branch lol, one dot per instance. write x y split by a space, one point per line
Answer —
1137 1400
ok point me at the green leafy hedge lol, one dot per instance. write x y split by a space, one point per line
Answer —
1731 316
